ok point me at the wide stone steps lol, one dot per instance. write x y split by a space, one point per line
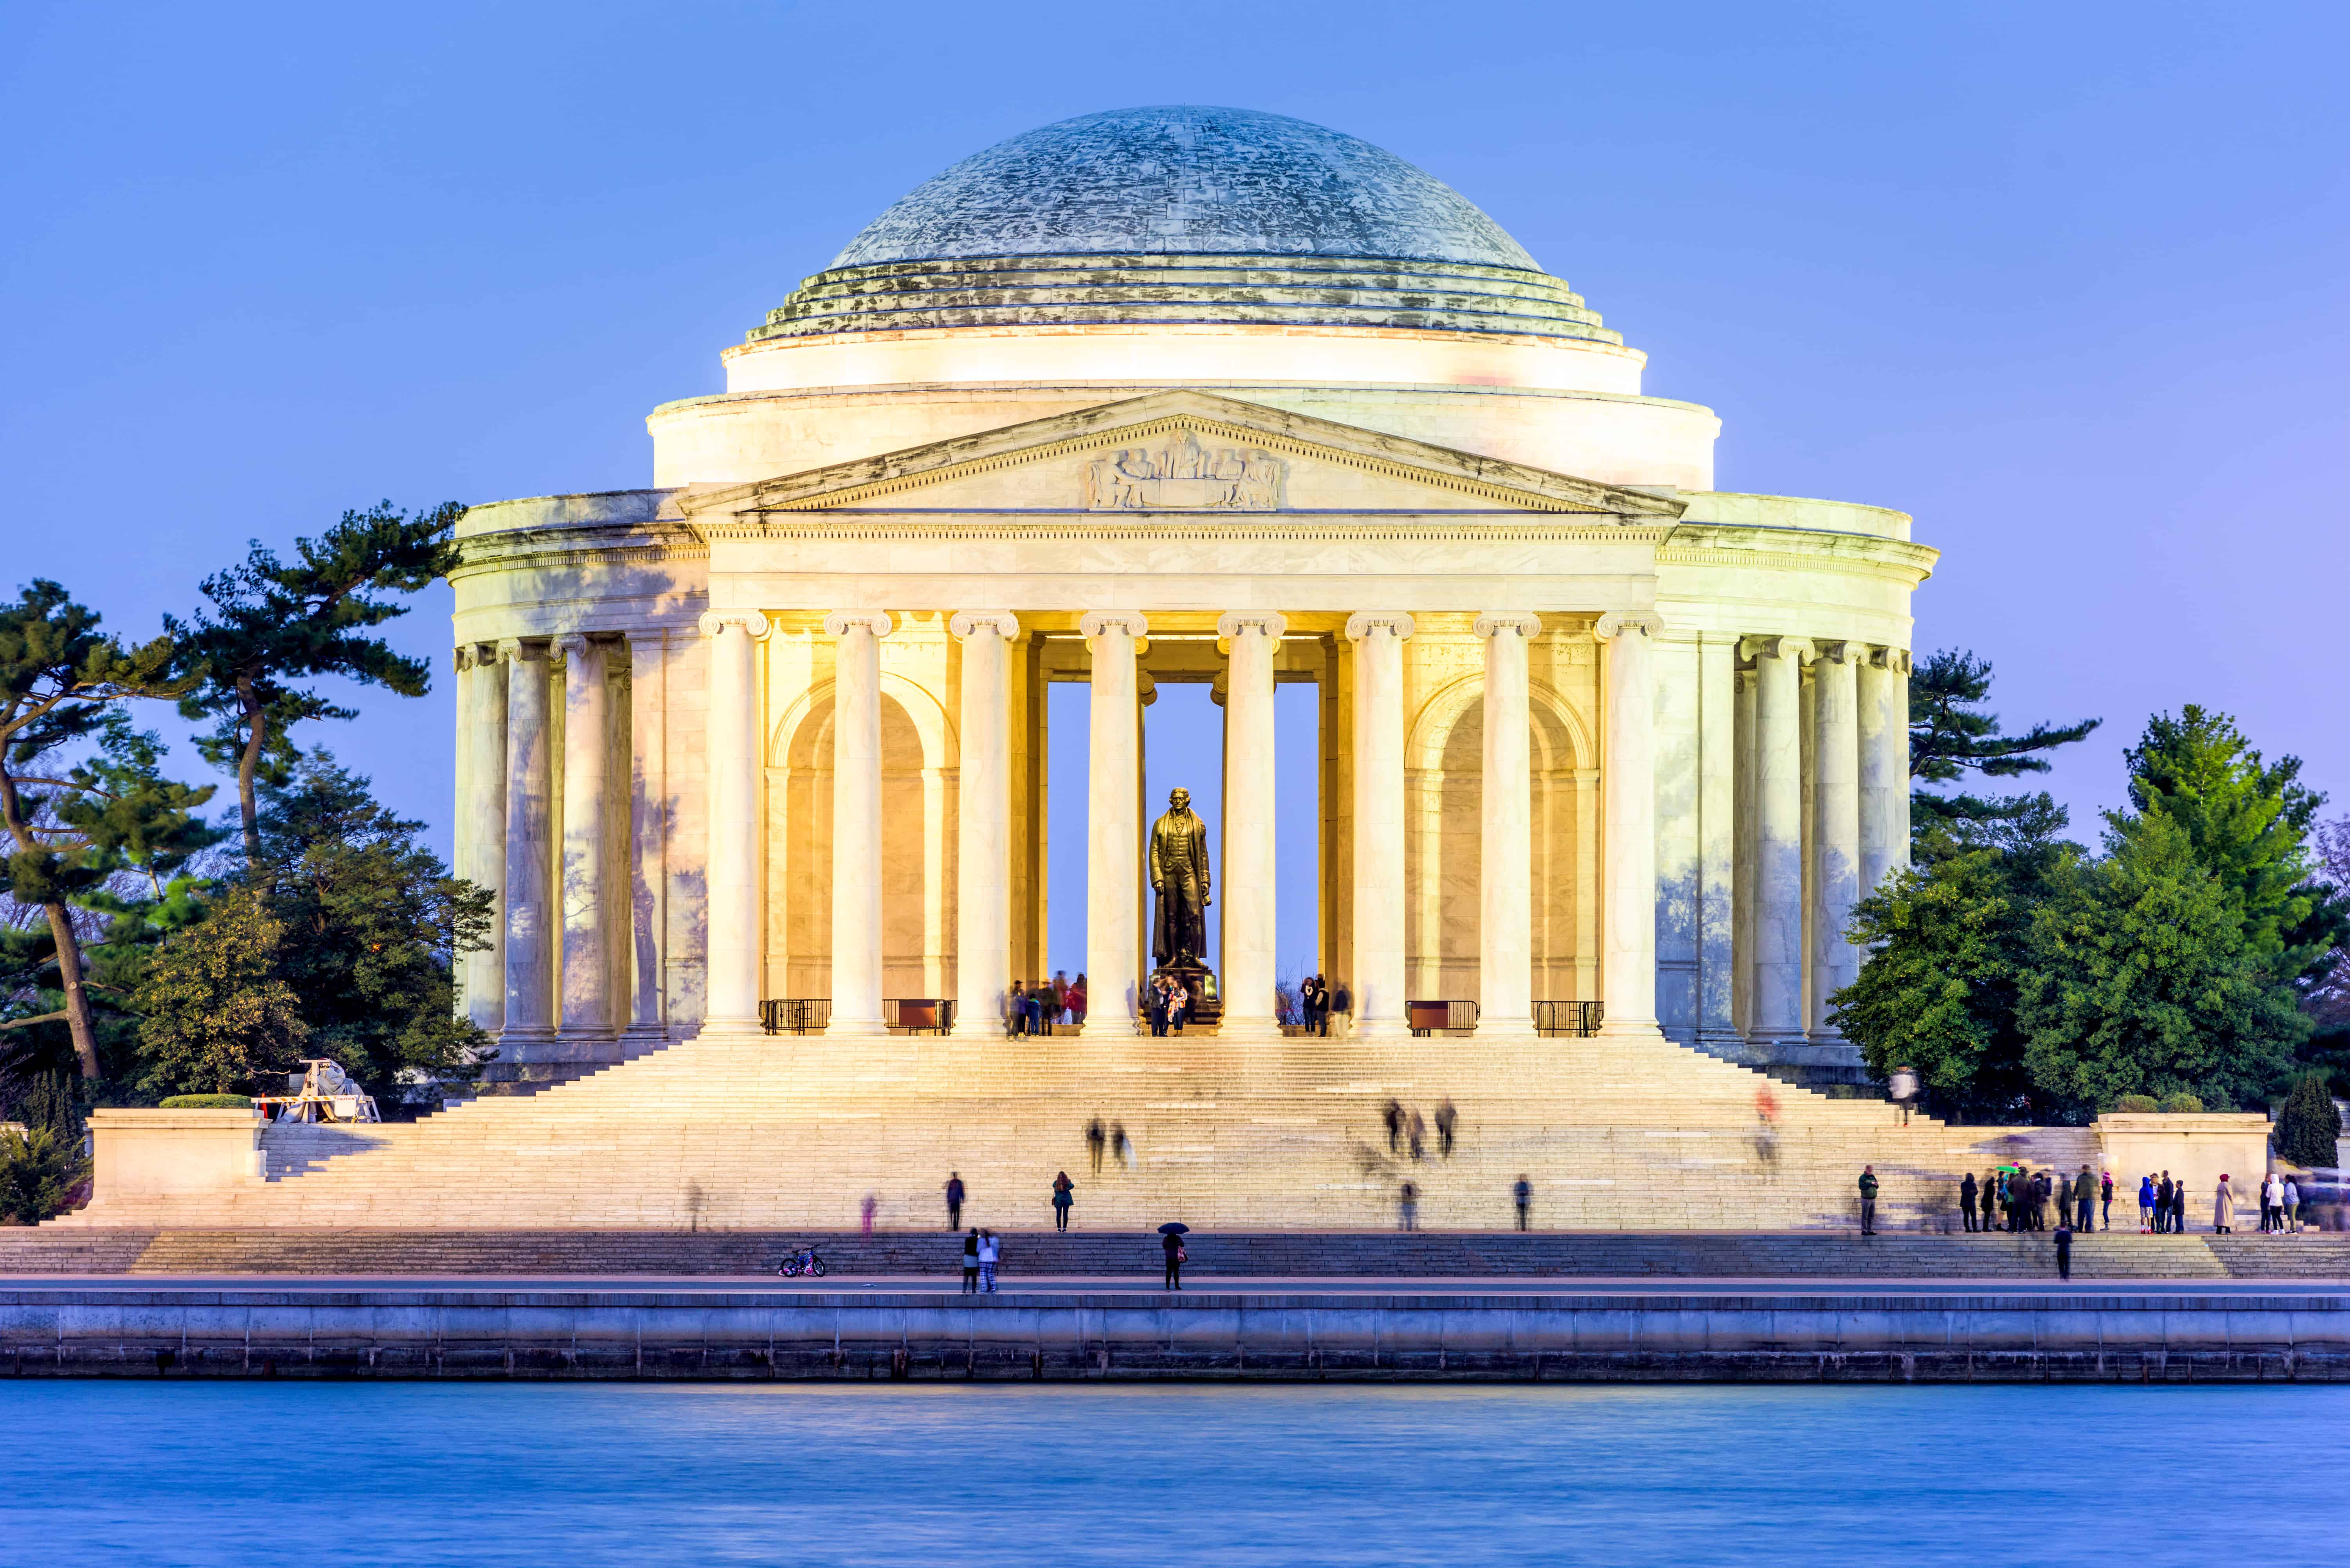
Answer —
1079 1253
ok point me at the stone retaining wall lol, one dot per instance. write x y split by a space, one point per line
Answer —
751 1336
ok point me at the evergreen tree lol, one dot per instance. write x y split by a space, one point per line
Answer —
2249 822
1952 735
2309 1124
38 1169
2140 982
272 626
215 1016
373 923
73 825
1950 941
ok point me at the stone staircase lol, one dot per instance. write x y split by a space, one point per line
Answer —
1228 1134
1824 1256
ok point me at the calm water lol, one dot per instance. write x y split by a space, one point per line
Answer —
125 1474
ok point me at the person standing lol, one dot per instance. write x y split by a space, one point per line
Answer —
1095 1139
2084 1198
2105 1194
1407 1207
1309 1003
1178 1005
1868 1201
2063 1249
1990 1199
1967 1201
1158 1008
1060 995
990 1249
1341 1000
1077 1000
1523 1192
2292 1205
2146 1205
1065 1193
1173 1242
971 1264
2224 1207
954 1200
2163 1196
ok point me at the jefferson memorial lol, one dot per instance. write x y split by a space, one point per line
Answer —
754 759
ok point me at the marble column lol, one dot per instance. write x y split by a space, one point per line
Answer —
1743 883
1628 980
1778 842
649 824
1114 824
1717 788
1505 939
731 873
983 823
1377 982
1837 803
481 814
529 980
586 975
1884 696
857 822
1680 898
1249 930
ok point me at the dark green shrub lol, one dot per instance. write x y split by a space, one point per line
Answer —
207 1102
2182 1103
2308 1125
2137 1104
37 1169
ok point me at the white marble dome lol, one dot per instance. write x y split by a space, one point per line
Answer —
1184 178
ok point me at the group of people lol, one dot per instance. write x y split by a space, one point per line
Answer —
1316 1000
2162 1204
1407 1129
1168 1003
2281 1208
2012 1199
1037 1009
981 1251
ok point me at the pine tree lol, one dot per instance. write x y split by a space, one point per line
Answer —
2140 982
272 626
2249 822
2309 1123
1953 735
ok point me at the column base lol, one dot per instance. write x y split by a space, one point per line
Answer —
731 1029
1095 1028
1612 1027
839 1028
1237 1023
1491 1023
1378 1031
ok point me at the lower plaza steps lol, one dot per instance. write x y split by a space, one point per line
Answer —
759 1133
1030 1254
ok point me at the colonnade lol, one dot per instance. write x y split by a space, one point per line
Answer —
1779 801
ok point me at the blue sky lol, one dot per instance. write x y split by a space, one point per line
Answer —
2065 282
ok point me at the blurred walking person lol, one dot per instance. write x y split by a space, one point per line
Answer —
954 1200
1524 1191
1407 1207
1095 1139
1446 1119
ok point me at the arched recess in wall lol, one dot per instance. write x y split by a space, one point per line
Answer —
918 765
1444 770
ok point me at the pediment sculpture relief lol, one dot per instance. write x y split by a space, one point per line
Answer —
1178 474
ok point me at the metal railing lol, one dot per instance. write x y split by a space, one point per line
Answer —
1427 1017
795 1014
1569 1018
809 1014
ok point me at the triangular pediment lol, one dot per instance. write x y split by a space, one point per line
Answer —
1180 452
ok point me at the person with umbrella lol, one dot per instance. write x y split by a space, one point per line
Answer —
1170 1237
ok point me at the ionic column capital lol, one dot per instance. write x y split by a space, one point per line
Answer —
712 622
1798 648
968 624
1615 623
1362 623
1098 623
569 645
840 623
514 649
1271 623
1896 660
1840 652
1494 623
